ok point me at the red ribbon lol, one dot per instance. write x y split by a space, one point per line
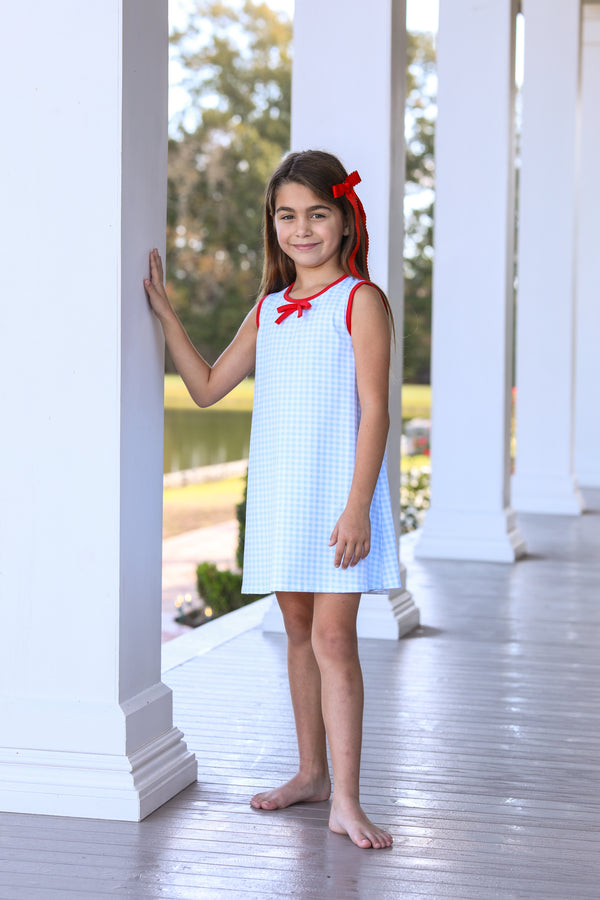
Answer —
347 188
292 307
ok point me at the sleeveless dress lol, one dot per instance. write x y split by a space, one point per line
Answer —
302 449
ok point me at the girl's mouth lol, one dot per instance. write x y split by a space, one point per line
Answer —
304 246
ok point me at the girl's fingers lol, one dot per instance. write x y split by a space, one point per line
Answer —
349 550
339 554
358 555
156 270
158 264
350 553
151 288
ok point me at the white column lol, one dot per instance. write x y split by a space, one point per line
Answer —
544 480
470 516
587 353
348 94
85 723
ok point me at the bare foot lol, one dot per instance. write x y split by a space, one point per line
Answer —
348 818
299 789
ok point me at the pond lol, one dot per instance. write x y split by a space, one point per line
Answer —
205 437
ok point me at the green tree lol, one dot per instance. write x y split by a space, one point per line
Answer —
418 253
225 146
233 132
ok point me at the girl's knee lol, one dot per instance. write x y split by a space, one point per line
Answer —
335 644
297 617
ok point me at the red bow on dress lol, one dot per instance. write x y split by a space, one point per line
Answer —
291 307
347 187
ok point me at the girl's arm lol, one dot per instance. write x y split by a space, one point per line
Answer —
206 384
371 343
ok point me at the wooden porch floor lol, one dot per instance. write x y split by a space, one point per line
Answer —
481 755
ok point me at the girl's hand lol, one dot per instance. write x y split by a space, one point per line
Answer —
155 288
352 535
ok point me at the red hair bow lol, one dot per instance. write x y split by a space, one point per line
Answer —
346 187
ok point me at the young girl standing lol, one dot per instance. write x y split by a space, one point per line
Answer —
319 528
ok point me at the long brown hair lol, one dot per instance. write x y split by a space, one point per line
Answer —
319 171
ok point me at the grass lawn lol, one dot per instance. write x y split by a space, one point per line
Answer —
416 401
200 505
414 462
177 397
416 398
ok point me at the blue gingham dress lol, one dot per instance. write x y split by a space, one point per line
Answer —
302 449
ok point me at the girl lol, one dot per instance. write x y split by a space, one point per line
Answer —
319 528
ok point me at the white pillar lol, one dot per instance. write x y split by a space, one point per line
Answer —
587 364
85 722
470 516
354 108
544 480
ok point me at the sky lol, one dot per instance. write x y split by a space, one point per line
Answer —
421 15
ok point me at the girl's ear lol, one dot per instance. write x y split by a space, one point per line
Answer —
346 230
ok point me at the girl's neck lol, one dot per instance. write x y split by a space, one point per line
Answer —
309 282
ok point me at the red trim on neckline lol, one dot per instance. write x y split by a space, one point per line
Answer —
286 295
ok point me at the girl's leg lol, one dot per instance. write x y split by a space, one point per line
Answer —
312 782
336 649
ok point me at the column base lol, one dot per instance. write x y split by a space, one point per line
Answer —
273 619
482 537
406 613
85 785
546 494
588 478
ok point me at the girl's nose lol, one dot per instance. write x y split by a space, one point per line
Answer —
302 226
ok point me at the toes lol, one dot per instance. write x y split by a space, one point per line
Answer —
262 802
366 839
379 841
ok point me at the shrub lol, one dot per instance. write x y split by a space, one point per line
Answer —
221 589
240 512
414 498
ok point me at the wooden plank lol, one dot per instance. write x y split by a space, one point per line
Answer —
481 753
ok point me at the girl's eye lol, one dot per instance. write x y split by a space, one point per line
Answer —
318 216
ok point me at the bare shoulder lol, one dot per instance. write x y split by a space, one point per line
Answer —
369 310
367 293
370 331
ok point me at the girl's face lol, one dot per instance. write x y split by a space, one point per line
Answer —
309 230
